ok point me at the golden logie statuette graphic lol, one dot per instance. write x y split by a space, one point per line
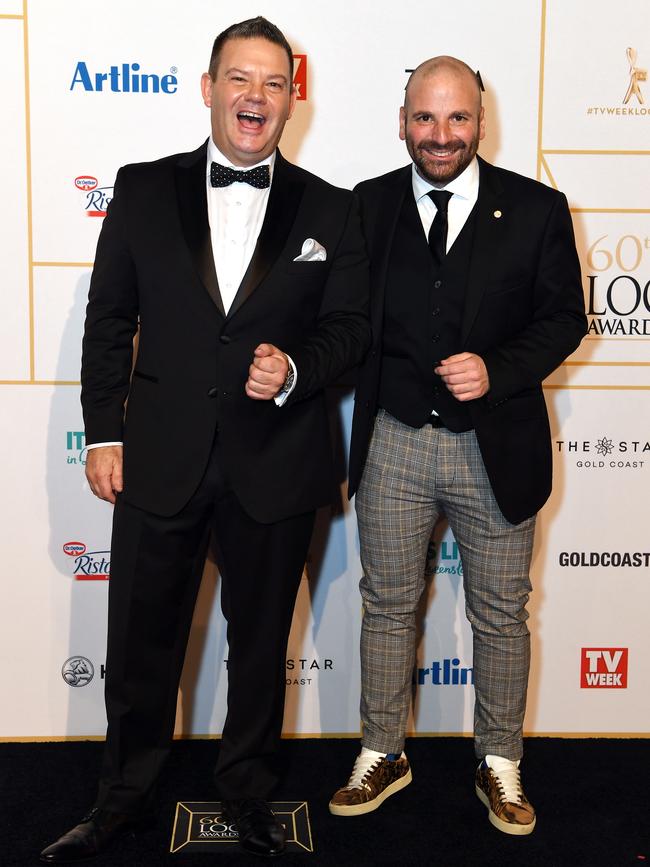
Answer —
636 75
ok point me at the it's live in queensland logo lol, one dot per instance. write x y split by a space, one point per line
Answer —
75 447
96 199
606 453
88 565
443 559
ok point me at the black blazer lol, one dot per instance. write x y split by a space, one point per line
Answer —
154 270
524 314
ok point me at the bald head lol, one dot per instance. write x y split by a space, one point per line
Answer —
442 119
445 65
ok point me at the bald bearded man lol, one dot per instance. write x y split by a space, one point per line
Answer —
476 298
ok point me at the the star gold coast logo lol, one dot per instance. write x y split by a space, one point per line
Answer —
636 75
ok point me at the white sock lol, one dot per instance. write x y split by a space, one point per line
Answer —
498 763
373 754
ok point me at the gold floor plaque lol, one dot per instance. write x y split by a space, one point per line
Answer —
199 826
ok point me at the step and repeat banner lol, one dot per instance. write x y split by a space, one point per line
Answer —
88 86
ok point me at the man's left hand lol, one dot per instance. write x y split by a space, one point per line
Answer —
465 375
267 373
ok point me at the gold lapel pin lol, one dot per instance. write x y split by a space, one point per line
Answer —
498 214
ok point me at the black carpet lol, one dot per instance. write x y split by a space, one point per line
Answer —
591 798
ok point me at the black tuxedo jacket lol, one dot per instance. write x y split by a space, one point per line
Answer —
523 314
154 271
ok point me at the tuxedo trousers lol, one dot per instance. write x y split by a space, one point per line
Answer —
156 568
411 478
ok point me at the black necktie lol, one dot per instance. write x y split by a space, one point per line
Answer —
438 230
223 176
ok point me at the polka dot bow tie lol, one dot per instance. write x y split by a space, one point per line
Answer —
223 176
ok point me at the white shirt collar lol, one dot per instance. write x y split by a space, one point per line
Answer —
465 185
215 155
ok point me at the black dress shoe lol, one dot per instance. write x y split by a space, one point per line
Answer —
94 834
260 833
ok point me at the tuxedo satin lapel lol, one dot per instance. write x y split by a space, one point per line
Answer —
487 242
389 210
193 209
284 199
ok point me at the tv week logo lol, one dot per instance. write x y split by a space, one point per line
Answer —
603 668
300 75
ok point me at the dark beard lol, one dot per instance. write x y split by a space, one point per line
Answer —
426 162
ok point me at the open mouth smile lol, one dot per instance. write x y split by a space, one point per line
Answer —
251 119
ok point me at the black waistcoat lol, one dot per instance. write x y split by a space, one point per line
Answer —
422 322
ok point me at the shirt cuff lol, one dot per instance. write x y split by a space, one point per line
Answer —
101 445
283 395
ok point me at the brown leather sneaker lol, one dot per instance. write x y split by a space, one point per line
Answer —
373 780
501 792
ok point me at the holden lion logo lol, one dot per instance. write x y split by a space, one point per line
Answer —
636 75
77 671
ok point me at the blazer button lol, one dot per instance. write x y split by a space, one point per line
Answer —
435 338
213 392
225 339
435 311
438 284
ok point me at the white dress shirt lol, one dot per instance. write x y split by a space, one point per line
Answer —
465 194
235 214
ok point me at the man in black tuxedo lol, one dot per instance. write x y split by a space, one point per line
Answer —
247 280
476 297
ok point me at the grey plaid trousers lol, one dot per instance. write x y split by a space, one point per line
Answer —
411 477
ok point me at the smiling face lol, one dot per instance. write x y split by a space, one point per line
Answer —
442 122
250 99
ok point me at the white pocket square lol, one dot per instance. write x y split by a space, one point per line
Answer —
311 251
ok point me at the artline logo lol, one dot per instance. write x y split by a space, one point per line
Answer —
77 671
606 453
603 668
635 75
605 559
75 447
445 672
88 565
123 78
448 563
97 199
300 75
